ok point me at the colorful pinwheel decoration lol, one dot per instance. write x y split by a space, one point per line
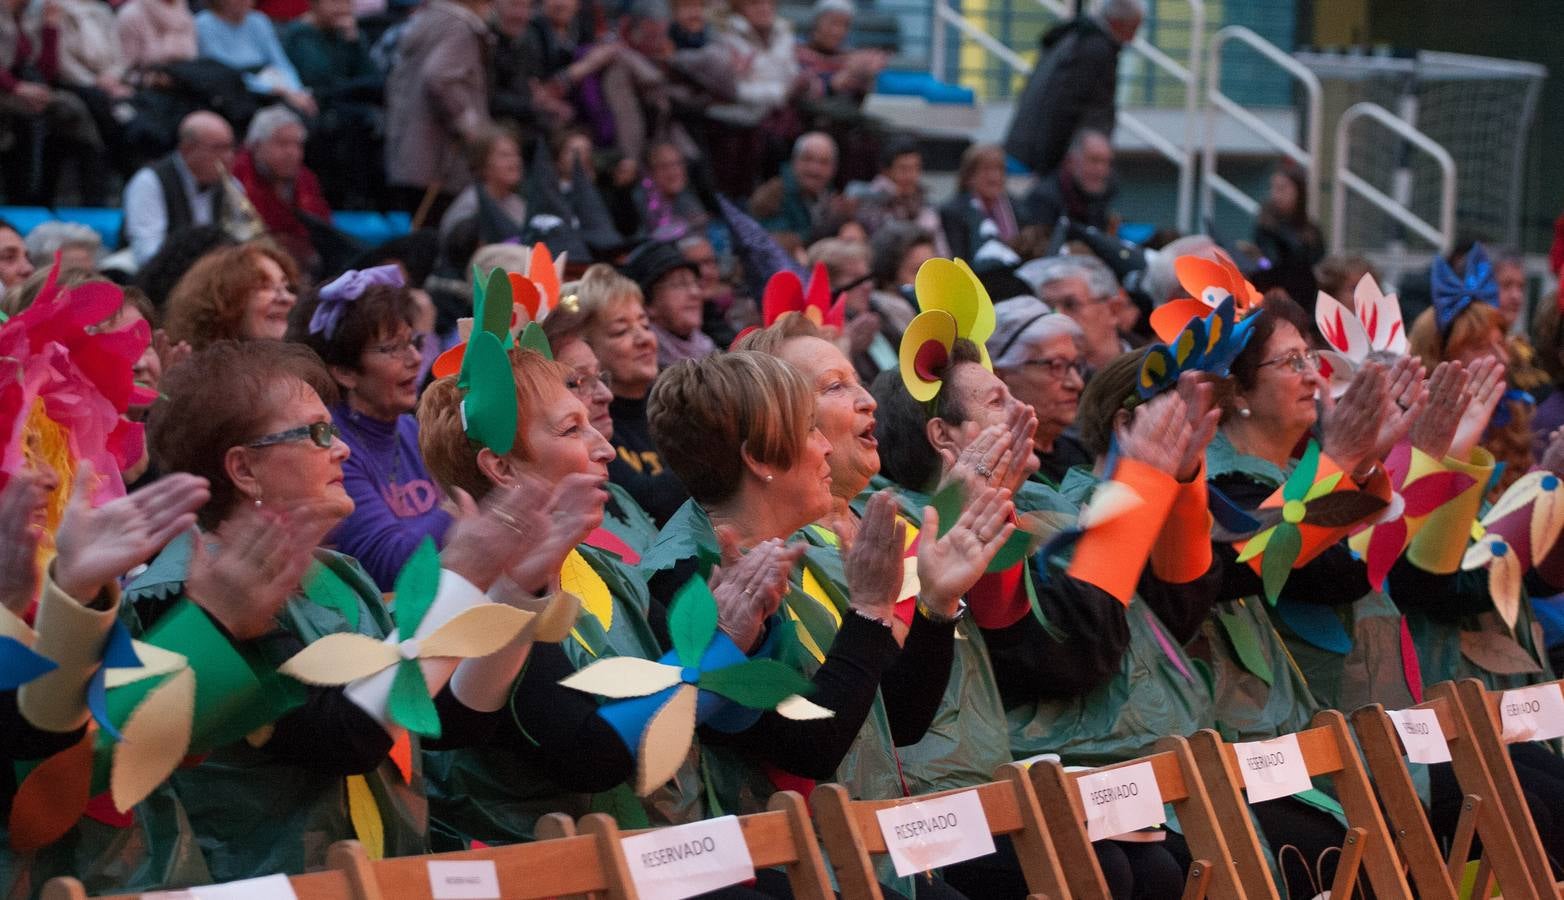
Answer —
1208 283
1374 325
1306 500
1110 500
1515 535
338 659
954 305
1453 293
785 294
1206 344
1419 485
655 706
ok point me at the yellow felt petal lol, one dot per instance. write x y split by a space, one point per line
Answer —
154 661
1322 487
1504 586
578 577
474 632
909 579
937 326
801 709
624 676
984 319
340 658
1422 464
941 284
1110 500
666 741
365 815
1547 517
155 739
553 624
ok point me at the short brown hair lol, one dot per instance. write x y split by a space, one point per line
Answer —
974 156
704 414
1471 326
1547 336
452 457
220 398
770 340
377 311
208 303
1104 397
482 144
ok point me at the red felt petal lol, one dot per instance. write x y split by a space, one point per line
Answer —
1399 463
818 294
1410 667
1428 492
1384 548
930 360
53 797
836 316
784 293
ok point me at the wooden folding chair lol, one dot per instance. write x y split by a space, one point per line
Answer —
1482 815
851 833
334 883
561 863
1213 871
1327 750
1481 707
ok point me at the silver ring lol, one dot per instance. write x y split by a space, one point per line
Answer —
983 470
508 520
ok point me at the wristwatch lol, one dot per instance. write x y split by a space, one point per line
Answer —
937 619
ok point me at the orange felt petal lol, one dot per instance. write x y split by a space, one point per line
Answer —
449 362
1196 273
402 755
53 797
525 295
542 273
1169 319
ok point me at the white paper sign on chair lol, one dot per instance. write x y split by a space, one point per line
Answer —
685 860
1272 768
938 832
464 879
1421 735
1532 714
1118 801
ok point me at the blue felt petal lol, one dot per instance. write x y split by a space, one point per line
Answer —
630 717
1228 514
120 651
1316 623
97 702
19 664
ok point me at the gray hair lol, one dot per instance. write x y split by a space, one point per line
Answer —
267 121
1021 322
1100 279
1040 273
1120 10
1160 281
803 139
48 238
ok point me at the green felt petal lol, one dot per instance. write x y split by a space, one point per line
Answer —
533 338
1323 486
326 588
478 284
947 502
410 704
1302 478
692 622
495 313
1246 645
1286 543
489 404
1257 544
758 683
1018 546
416 586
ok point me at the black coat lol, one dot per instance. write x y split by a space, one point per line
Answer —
1071 88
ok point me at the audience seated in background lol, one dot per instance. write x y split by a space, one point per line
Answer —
980 197
284 192
1080 190
333 62
759 122
184 188
897 194
54 125
233 33
671 285
154 33
495 159
78 246
796 199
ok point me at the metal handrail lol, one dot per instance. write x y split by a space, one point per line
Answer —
1441 237
1182 157
1217 102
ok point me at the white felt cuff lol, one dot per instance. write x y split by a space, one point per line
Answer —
72 636
484 683
455 596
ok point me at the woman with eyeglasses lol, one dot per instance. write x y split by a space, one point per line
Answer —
361 325
252 418
1037 354
241 293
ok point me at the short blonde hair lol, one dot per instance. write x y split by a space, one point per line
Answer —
452 457
773 337
602 291
705 414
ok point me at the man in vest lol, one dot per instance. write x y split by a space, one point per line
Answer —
183 189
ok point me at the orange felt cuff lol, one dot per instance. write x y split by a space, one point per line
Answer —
1112 555
1183 549
1441 542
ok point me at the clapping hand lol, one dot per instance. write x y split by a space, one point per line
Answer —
948 566
1159 435
248 579
1203 415
573 510
1351 425
1488 387
874 561
487 541
1001 455
1409 397
97 545
749 587
20 503
1449 393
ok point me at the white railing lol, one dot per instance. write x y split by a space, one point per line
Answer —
1345 179
1182 157
1218 103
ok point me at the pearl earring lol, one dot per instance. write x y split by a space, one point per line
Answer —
1243 412
770 478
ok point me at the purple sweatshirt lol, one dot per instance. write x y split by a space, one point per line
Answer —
396 503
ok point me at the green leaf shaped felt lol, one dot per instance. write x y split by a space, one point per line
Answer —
533 338
327 589
489 393
491 309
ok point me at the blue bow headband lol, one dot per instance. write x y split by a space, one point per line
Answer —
346 288
1452 294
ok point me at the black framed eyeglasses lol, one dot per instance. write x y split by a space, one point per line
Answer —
321 434
1054 366
1297 360
413 346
